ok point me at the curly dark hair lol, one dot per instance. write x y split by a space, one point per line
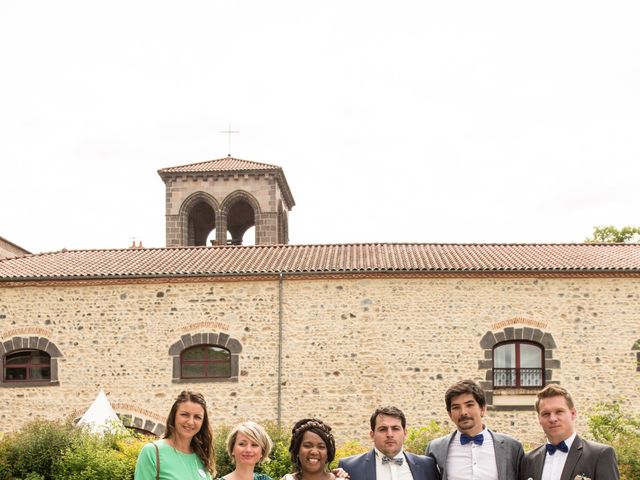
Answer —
202 442
319 428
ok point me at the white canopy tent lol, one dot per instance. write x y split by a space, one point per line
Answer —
100 417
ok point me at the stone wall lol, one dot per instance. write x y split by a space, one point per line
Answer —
348 345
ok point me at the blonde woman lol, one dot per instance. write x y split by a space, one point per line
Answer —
248 444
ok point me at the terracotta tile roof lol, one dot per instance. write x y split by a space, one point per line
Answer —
342 258
230 166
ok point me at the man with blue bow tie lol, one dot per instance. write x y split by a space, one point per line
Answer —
473 451
565 456
387 460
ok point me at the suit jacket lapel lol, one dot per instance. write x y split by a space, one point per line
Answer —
370 465
501 456
537 463
414 467
575 452
445 452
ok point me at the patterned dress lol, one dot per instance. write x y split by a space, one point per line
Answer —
256 476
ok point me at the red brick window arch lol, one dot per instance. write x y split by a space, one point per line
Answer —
518 364
26 366
29 361
205 357
205 361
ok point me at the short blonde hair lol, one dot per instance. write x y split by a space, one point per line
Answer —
253 432
553 390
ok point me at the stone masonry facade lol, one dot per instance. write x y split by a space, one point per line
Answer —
332 347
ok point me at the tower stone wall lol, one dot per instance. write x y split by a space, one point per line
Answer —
239 198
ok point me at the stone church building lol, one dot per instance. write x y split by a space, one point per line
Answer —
276 331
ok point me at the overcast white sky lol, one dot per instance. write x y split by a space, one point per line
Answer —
411 121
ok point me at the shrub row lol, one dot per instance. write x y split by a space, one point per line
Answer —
46 450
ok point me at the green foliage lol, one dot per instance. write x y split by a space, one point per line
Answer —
609 424
45 450
352 447
91 457
37 447
419 437
611 234
33 476
279 460
224 465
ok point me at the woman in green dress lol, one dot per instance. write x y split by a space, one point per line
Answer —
248 444
186 450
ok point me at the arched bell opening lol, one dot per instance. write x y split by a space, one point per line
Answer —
201 222
240 218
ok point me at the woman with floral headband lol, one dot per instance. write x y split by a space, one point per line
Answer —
312 449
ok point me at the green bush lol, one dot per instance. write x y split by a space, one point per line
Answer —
91 457
224 465
45 450
33 476
609 424
352 447
279 461
419 437
36 447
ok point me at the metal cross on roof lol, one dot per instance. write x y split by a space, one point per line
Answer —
229 132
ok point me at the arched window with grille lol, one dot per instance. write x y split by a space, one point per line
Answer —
518 364
205 361
205 357
26 366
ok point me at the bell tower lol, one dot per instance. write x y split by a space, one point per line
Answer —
228 196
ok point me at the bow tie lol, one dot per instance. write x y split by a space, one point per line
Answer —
561 446
397 461
478 439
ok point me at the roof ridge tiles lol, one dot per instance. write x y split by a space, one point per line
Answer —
258 165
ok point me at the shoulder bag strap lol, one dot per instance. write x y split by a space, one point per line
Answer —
157 461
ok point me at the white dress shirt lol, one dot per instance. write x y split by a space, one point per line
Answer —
391 471
471 461
554 464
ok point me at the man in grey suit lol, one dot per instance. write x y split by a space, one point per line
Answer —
565 456
473 451
387 460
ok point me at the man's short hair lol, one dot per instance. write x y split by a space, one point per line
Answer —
553 390
462 387
389 412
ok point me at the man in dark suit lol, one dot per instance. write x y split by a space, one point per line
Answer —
565 456
387 460
473 451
